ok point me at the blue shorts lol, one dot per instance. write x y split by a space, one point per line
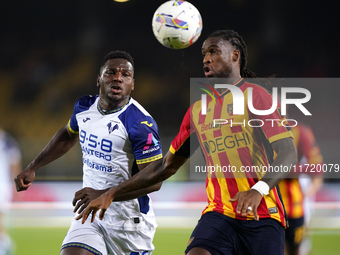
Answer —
222 235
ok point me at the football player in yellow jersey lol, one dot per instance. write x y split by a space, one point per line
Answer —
295 195
224 55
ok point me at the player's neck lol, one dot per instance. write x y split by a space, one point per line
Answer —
106 105
235 75
233 78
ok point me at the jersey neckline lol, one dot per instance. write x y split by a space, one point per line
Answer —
237 84
111 111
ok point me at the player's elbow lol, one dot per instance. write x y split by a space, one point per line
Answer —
293 156
158 186
295 159
171 164
168 171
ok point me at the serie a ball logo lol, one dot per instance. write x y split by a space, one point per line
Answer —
177 24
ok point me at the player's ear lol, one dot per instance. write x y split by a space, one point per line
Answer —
236 56
133 84
98 78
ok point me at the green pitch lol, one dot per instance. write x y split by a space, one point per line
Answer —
42 241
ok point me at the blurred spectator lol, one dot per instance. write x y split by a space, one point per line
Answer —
298 190
10 166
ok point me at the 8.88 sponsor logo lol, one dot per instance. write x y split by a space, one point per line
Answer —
91 145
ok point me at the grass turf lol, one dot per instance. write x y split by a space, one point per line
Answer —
42 241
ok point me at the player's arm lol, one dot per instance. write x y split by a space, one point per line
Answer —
281 142
83 197
140 192
60 143
315 186
151 175
286 157
314 156
154 173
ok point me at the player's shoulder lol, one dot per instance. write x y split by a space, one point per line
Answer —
306 130
133 113
87 101
302 127
84 103
257 86
135 109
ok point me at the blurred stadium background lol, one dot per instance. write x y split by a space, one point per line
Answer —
50 53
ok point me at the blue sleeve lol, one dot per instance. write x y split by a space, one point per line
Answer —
145 140
81 105
143 134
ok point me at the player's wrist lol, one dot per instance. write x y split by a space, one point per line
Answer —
262 187
35 165
32 168
111 194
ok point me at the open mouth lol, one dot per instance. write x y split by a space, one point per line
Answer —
116 89
207 71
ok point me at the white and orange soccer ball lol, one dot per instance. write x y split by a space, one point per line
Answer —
177 24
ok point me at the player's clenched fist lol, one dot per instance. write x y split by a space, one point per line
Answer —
24 179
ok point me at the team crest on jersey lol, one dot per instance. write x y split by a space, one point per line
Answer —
230 108
112 127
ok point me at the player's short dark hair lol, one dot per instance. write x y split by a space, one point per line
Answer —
117 54
237 41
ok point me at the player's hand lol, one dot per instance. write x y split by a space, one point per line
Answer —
24 179
101 203
246 199
83 197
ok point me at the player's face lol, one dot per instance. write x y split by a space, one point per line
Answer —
218 58
115 82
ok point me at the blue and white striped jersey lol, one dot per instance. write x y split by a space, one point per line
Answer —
113 143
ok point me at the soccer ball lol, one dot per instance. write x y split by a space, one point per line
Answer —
177 24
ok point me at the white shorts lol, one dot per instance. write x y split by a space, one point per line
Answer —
6 192
102 240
